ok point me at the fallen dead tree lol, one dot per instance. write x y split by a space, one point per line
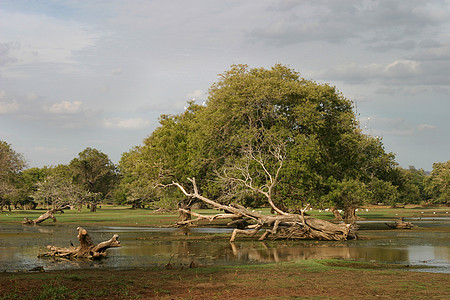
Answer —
280 226
50 214
400 224
87 248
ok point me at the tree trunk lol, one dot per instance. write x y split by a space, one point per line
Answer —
184 211
48 215
350 215
93 207
87 248
337 214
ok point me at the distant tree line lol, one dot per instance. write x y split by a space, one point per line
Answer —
88 179
252 118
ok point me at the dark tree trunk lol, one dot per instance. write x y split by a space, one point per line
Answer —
93 207
350 215
184 211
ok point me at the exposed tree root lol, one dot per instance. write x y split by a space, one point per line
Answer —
87 248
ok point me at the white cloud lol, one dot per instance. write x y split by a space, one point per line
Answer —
8 107
29 39
426 127
401 68
65 107
197 95
399 72
122 123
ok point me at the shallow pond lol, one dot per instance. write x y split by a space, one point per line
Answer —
428 246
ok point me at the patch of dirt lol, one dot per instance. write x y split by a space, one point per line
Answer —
255 282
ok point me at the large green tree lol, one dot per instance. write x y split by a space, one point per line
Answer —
11 163
258 110
437 185
27 185
95 172
411 185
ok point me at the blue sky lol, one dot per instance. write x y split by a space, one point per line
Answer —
77 74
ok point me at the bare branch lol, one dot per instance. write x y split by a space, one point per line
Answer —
283 226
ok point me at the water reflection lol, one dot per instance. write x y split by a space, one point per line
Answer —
144 247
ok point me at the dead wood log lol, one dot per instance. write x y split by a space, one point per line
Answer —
87 248
50 214
281 226
400 224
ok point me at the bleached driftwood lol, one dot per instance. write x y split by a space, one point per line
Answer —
87 248
49 214
280 226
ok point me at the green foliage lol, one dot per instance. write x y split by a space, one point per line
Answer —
259 110
58 190
383 192
411 185
11 163
437 184
349 193
95 172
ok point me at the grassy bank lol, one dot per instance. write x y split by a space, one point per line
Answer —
124 216
307 279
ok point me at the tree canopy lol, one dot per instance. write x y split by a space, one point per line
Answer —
261 109
438 183
95 172
11 163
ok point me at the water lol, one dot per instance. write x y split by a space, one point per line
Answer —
428 246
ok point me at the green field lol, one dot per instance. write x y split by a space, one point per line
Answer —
124 216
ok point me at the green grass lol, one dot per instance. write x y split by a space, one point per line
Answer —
124 216
107 215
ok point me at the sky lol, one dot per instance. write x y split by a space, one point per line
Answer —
78 74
